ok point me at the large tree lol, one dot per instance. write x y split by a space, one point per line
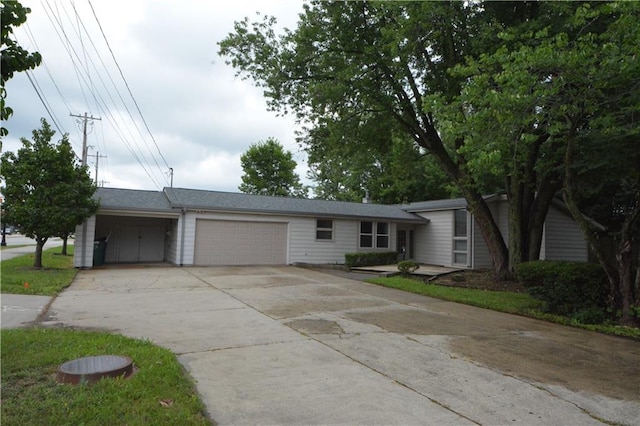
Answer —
47 192
433 67
359 59
557 108
270 170
13 57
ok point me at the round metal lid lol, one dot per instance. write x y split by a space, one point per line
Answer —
92 368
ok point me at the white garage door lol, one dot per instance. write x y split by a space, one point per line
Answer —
222 242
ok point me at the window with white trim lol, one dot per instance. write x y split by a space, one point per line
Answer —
374 234
324 229
382 235
460 240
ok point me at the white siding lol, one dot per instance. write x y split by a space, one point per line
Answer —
187 241
563 238
304 248
173 242
86 241
434 241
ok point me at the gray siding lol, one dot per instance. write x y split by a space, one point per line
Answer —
304 248
563 238
434 241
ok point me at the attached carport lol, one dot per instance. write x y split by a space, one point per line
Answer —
133 239
138 227
229 242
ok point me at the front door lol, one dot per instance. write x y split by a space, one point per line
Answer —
404 244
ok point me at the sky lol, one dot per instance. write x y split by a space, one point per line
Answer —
200 117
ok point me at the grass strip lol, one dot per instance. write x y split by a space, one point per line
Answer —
20 277
502 301
158 394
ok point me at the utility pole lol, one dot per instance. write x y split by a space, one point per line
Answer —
98 157
85 118
84 245
171 172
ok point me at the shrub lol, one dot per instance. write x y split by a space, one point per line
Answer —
370 259
567 288
407 267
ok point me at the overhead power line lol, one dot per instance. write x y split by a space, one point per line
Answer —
127 84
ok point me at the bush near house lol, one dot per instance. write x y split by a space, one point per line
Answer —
407 267
370 259
574 289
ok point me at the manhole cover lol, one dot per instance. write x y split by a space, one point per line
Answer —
92 368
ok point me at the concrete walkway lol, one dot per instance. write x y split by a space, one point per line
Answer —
19 310
282 345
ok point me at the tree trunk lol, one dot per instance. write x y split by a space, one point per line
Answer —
517 219
64 245
491 234
624 258
37 258
538 215
475 203
620 276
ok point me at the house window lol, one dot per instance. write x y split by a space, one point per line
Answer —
460 240
374 232
324 229
366 234
382 235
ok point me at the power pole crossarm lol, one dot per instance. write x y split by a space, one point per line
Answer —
85 118
98 157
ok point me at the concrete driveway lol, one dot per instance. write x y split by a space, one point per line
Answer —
282 345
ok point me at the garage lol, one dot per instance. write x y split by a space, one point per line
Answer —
132 239
225 242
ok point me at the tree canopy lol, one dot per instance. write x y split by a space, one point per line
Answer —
13 57
47 192
270 170
448 74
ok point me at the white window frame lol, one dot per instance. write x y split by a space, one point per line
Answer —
460 238
384 235
324 229
374 235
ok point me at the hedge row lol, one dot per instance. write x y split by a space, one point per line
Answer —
567 288
370 259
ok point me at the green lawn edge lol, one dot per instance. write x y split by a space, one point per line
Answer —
501 301
159 393
20 277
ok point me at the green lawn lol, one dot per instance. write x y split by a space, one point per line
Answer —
20 277
158 394
503 301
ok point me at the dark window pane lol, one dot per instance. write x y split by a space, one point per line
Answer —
382 242
460 258
460 245
382 228
324 223
460 223
366 241
366 227
324 235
